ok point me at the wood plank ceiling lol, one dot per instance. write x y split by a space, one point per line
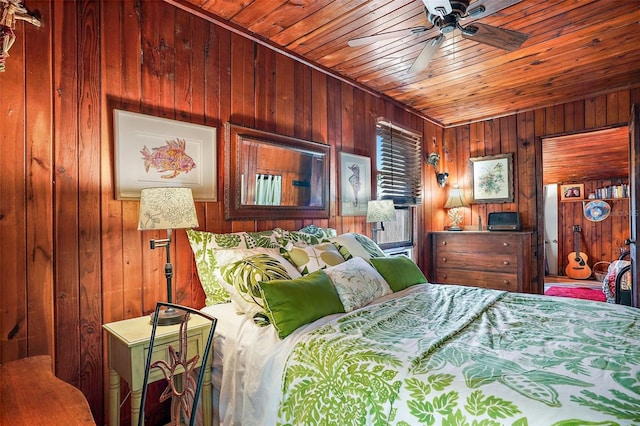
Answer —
598 155
575 49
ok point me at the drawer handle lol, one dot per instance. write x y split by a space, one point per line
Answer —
505 281
444 243
505 244
444 260
506 262
445 276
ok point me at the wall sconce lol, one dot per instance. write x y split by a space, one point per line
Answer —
454 202
167 208
434 160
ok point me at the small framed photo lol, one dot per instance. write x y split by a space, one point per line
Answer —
492 178
355 184
152 151
572 191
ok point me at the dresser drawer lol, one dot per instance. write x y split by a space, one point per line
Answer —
493 280
501 262
477 243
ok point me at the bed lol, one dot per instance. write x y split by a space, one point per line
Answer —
419 353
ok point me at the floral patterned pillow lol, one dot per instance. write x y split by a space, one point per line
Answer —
358 245
243 279
609 282
357 283
204 246
244 240
312 258
309 235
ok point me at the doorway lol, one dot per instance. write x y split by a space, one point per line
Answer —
593 161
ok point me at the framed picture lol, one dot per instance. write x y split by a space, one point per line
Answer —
152 151
492 178
572 191
355 184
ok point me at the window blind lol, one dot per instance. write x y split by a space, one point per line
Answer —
399 164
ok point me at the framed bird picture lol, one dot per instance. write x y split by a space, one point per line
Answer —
355 184
155 152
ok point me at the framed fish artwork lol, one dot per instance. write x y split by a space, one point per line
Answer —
355 184
154 152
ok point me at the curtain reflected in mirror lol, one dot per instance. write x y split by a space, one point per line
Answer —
268 190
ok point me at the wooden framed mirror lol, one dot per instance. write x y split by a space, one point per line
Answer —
271 176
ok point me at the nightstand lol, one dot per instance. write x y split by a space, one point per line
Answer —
128 346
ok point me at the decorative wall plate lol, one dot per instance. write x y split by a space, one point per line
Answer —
597 211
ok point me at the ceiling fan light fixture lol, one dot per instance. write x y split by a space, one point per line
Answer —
448 24
438 7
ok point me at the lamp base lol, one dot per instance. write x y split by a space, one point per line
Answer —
168 316
455 216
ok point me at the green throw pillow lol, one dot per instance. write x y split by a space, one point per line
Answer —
399 271
291 304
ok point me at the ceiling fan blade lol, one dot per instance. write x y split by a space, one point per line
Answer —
355 42
482 8
430 49
497 37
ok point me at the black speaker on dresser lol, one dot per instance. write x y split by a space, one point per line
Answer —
504 221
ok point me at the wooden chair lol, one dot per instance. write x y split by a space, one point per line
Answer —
30 394
623 296
179 370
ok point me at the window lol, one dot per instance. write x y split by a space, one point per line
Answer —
399 164
399 178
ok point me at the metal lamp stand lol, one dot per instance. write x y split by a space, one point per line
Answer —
169 315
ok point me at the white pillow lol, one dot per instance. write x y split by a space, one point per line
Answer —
358 245
357 283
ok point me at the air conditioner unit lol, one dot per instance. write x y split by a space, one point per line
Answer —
397 251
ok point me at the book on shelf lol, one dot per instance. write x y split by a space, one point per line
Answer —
612 191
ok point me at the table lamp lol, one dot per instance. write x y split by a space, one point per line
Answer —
454 202
380 211
167 208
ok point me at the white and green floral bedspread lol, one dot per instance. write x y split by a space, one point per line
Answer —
449 355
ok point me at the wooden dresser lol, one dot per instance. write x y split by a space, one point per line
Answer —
497 260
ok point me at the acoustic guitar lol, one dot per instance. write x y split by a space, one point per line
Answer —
577 268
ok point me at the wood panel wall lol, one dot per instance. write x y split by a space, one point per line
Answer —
601 241
70 255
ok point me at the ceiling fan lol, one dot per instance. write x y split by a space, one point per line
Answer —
445 17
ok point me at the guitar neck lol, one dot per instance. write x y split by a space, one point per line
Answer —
576 238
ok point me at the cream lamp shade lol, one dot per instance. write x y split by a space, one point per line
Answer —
167 208
381 211
455 201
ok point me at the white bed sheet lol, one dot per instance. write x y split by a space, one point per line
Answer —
248 363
